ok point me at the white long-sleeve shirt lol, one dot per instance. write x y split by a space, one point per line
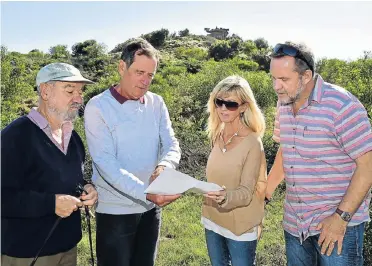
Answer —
126 142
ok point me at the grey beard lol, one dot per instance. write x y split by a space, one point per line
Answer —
64 116
71 115
294 99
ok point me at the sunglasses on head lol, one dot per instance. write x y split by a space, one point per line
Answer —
231 106
285 49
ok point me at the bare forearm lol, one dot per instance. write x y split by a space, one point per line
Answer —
276 174
261 190
360 184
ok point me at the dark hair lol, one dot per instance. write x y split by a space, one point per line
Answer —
300 65
138 46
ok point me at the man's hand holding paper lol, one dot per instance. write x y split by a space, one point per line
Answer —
160 200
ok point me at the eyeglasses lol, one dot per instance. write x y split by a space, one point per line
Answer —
285 49
231 106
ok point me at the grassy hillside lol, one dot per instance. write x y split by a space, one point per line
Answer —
190 67
182 239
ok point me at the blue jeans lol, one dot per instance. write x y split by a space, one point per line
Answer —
308 254
127 240
222 251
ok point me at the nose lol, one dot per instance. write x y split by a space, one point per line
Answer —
277 84
78 98
145 81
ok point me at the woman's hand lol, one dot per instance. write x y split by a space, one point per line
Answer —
217 196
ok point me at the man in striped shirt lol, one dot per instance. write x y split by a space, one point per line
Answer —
325 157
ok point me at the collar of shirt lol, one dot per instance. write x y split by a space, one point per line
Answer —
120 98
43 124
317 93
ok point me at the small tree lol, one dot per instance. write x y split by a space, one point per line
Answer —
261 43
235 44
184 33
221 50
157 38
88 48
4 51
236 36
249 48
119 48
263 60
59 51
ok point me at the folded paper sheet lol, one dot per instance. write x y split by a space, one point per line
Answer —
171 182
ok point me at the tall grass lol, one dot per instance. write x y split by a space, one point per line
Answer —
182 241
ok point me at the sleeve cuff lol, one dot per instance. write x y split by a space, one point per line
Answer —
51 203
88 182
166 164
276 139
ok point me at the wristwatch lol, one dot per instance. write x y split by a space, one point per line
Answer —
346 216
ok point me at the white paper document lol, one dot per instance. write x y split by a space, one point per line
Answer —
171 182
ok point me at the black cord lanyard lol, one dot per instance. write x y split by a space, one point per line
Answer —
46 239
80 189
87 215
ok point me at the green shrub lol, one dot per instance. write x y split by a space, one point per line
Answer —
191 52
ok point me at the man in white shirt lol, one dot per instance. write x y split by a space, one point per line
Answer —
131 140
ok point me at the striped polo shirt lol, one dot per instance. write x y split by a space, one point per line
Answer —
320 145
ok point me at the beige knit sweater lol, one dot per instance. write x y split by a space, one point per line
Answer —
242 170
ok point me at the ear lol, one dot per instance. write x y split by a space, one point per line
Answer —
44 91
307 76
122 67
245 107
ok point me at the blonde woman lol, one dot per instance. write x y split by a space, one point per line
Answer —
237 163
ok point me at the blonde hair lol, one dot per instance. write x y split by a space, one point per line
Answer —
252 117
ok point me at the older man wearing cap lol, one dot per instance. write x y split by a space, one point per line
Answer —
325 156
41 164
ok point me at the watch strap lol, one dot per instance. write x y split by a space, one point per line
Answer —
346 216
339 212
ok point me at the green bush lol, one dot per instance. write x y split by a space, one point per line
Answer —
184 33
221 50
367 252
157 38
191 52
246 65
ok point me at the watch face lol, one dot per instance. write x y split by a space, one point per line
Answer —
346 216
